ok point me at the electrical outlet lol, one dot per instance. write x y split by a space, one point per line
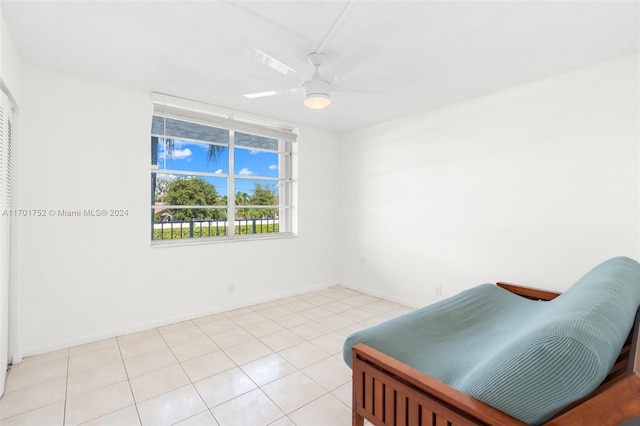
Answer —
232 288
439 290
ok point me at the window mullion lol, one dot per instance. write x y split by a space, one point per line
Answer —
231 196
282 173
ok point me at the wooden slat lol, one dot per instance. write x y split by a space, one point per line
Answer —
389 405
378 400
414 413
368 393
401 408
427 416
441 421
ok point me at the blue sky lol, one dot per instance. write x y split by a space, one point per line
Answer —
249 163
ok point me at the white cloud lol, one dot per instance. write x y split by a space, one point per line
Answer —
245 172
218 172
273 167
181 154
254 152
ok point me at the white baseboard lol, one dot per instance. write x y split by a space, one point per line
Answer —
383 295
107 334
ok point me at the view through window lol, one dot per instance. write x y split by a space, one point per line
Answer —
213 177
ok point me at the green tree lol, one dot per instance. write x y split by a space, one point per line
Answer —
263 195
193 191
242 199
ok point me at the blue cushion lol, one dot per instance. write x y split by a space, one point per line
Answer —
526 358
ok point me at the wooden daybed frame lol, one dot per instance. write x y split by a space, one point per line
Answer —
389 392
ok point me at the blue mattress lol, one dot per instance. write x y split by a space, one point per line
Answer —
526 358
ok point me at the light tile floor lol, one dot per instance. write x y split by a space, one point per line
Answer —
277 363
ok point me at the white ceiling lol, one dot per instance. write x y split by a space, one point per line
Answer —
432 53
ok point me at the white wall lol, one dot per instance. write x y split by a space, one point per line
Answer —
85 145
10 64
533 185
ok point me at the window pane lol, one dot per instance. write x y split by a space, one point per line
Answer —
190 156
255 163
185 190
256 192
177 129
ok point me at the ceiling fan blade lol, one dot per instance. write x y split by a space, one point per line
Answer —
357 57
273 63
262 94
336 25
360 92
270 93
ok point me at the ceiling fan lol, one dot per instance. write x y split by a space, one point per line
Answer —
318 87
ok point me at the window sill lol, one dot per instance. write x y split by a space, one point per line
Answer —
220 240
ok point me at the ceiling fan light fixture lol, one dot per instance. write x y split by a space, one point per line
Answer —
317 94
317 100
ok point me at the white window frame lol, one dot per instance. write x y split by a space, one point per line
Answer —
199 113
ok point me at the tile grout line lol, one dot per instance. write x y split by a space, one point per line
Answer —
258 387
126 372
66 390
10 367
239 367
189 377
297 369
309 302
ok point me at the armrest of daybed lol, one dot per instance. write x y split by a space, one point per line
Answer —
529 292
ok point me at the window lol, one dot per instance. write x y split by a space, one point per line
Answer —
217 177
